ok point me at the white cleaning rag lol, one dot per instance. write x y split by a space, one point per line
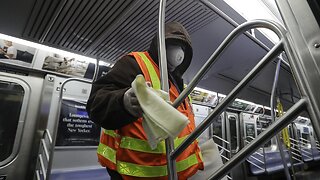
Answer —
211 159
161 120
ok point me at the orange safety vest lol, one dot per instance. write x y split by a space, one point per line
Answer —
127 151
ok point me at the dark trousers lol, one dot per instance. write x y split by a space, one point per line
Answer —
114 174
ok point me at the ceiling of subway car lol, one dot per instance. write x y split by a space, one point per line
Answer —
107 29
104 29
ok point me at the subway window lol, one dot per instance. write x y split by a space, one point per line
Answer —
11 99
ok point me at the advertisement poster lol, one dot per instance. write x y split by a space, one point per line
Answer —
75 127
68 65
16 53
250 131
203 97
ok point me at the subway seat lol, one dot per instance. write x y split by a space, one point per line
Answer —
273 163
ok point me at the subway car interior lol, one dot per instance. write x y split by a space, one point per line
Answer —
253 82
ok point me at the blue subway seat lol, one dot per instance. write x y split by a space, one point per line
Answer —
80 174
273 163
306 154
316 154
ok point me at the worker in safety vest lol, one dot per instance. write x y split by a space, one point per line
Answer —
123 147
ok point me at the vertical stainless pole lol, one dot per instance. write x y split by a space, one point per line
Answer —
273 117
164 82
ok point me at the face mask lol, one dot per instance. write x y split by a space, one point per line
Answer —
175 56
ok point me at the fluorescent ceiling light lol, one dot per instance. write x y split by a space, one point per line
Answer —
256 9
47 48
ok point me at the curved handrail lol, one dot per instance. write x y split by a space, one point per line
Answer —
220 107
56 124
271 25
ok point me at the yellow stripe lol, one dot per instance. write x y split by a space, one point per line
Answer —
143 146
137 170
152 72
284 132
111 133
107 152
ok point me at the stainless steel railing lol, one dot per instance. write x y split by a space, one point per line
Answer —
264 136
43 158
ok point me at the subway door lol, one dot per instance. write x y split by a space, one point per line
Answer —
232 135
19 104
232 132
200 113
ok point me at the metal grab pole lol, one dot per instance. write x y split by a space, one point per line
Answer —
171 165
275 128
220 107
278 29
273 117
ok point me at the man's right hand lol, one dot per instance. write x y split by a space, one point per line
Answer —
131 103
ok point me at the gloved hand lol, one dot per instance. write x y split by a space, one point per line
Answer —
131 103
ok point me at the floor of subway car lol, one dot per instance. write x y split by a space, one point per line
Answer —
312 173
80 174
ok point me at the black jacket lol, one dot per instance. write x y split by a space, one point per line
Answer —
105 104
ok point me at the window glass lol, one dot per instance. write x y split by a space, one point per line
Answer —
233 132
250 131
217 129
11 97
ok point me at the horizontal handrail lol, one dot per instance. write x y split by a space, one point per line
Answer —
262 162
47 132
42 166
296 159
252 138
221 139
292 148
258 154
255 165
291 139
38 175
225 149
44 146
305 144
224 157
296 154
305 140
306 152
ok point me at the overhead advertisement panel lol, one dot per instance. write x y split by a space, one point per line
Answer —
16 53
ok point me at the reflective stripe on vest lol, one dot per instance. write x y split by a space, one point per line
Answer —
107 152
137 170
143 146
111 133
153 75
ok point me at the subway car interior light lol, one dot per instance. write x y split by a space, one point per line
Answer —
229 89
